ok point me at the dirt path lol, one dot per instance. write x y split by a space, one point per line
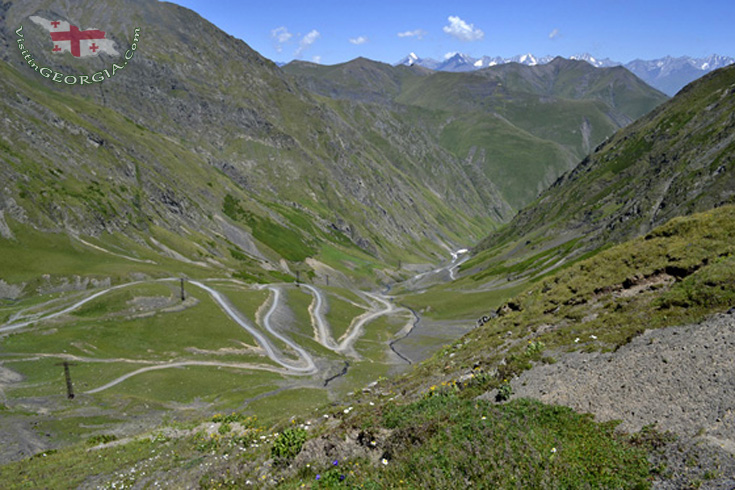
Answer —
310 366
40 318
170 365
232 312
354 331
323 332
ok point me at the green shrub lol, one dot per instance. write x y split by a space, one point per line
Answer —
288 443
505 391
101 439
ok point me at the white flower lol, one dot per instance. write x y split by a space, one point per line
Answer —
384 461
593 337
576 340
483 418
553 450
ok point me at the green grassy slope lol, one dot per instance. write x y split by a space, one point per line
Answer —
674 161
164 143
427 426
555 112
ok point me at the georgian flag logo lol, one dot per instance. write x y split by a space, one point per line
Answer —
68 38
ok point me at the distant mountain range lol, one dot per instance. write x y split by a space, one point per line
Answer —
667 74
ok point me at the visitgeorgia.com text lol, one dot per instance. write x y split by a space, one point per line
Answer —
59 77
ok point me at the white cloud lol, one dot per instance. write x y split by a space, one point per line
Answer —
316 59
554 34
307 41
280 35
359 40
462 30
417 33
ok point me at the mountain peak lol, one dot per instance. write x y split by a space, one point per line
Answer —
667 74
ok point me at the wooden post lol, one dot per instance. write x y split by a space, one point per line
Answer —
298 275
183 297
327 277
67 375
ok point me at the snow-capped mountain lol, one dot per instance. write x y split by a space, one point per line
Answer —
529 60
487 61
596 62
463 62
670 74
458 62
667 74
413 59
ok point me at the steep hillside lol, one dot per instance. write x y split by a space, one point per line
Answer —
677 160
198 116
519 126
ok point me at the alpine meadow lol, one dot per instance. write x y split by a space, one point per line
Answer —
218 271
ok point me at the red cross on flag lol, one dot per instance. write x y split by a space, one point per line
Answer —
69 38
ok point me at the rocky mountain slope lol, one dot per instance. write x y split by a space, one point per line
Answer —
198 116
674 161
556 112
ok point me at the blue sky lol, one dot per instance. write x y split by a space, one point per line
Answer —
331 32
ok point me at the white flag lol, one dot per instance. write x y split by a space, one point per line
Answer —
68 38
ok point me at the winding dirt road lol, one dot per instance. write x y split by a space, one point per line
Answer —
170 365
308 360
304 366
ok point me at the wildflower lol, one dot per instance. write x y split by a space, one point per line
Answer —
335 462
318 477
576 340
593 337
483 418
341 477
384 461
553 450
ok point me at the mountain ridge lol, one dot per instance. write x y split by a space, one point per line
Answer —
556 112
244 121
668 74
674 161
